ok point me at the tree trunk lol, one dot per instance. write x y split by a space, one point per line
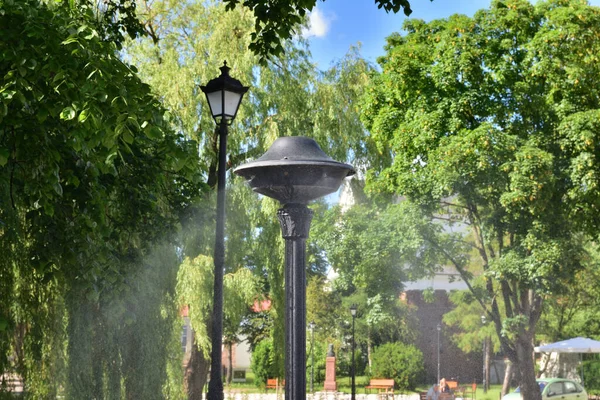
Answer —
369 350
196 372
488 344
525 363
230 366
507 377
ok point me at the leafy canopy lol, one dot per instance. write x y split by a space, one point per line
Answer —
277 20
491 124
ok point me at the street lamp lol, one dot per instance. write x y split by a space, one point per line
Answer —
295 171
439 328
311 326
224 95
483 321
353 312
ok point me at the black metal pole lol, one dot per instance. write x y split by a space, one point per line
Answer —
215 386
312 356
295 224
438 354
353 367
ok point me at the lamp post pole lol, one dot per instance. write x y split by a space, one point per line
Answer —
353 312
483 321
439 328
311 325
224 95
295 171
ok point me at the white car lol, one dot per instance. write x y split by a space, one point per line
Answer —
555 388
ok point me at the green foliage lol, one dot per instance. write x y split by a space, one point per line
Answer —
466 317
490 123
591 373
91 177
321 106
277 21
398 361
263 365
319 359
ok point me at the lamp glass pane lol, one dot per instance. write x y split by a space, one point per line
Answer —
214 100
232 101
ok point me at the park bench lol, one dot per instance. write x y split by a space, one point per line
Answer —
273 383
12 383
384 387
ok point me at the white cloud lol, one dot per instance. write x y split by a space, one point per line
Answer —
318 24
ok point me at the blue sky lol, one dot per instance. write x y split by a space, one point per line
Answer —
338 24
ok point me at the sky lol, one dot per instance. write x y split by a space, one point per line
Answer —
336 25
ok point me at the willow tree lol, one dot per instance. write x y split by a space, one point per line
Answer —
491 122
287 96
90 176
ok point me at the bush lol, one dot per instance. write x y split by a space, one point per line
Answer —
591 376
398 361
263 366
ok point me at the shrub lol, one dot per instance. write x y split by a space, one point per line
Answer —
262 362
398 361
591 374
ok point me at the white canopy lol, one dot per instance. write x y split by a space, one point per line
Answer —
575 345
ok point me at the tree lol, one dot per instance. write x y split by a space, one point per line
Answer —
91 176
375 247
288 97
240 291
491 123
276 21
474 332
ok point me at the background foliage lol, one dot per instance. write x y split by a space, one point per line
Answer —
403 363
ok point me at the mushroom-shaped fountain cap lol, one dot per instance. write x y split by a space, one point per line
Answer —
295 170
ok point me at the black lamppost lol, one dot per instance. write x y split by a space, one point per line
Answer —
439 329
295 171
483 321
353 312
224 95
311 326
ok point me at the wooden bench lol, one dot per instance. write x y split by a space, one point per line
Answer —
12 382
273 383
384 387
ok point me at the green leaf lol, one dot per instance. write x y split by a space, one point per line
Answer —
153 132
127 136
83 115
68 113
4 154
58 188
42 114
69 40
3 324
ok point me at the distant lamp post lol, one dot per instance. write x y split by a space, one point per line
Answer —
483 322
295 171
353 309
224 95
311 326
439 329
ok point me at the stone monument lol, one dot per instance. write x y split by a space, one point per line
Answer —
330 383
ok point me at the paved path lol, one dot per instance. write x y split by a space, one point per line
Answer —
315 396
